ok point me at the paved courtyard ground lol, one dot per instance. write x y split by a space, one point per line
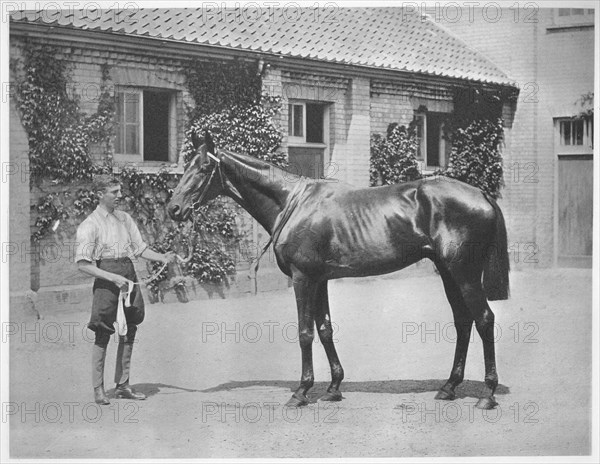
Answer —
218 372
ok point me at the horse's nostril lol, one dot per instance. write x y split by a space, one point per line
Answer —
174 210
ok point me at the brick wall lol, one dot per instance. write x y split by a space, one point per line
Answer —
19 258
54 274
553 69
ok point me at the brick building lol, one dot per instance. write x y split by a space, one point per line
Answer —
343 74
548 156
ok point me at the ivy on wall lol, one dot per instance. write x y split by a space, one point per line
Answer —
394 157
228 100
475 157
475 131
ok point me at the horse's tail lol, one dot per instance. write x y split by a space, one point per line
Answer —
497 264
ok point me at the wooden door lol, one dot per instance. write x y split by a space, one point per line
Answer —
575 210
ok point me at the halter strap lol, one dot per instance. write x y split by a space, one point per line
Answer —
216 168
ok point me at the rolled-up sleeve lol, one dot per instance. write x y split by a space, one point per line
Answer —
86 242
137 242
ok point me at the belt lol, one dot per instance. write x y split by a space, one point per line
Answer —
123 259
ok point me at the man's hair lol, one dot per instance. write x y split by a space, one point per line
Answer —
103 181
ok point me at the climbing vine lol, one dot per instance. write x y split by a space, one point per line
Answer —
474 131
61 138
394 157
475 157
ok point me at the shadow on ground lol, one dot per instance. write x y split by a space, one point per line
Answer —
468 389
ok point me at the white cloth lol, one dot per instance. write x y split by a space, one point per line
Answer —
124 297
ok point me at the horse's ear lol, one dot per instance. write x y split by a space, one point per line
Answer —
208 141
196 141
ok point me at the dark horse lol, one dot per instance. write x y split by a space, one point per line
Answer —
325 230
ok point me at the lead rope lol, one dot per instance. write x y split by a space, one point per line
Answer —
197 202
280 222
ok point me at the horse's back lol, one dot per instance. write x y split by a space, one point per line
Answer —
340 231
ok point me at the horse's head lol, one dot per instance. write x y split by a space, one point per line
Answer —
201 181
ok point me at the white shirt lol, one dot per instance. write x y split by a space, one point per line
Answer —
105 235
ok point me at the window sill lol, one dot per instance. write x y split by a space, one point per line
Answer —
306 145
569 27
150 167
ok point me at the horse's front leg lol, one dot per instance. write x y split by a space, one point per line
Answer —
306 293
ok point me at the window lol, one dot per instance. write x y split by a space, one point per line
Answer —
307 138
576 134
565 17
306 123
432 149
145 125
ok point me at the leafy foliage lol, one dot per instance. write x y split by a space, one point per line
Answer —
244 129
228 102
475 157
218 86
393 157
59 134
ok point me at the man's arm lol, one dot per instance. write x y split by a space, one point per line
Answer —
90 269
162 257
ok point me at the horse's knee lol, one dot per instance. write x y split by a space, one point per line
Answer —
306 338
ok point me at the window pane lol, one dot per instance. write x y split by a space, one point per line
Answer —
314 123
131 107
298 121
156 126
131 134
576 11
419 120
578 132
119 116
290 119
565 132
564 12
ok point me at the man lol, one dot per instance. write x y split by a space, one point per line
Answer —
107 241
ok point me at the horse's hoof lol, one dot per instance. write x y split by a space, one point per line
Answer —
296 401
445 395
332 396
486 403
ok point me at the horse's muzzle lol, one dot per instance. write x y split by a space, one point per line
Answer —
177 213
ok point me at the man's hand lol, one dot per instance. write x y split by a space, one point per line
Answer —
169 257
120 281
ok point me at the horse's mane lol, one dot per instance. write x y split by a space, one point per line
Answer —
251 161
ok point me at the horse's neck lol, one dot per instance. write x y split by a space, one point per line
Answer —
261 189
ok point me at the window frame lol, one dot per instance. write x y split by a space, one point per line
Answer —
295 141
131 157
571 20
138 159
586 147
422 151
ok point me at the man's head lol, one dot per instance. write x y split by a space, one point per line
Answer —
108 190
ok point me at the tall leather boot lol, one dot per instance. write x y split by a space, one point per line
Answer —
98 358
124 352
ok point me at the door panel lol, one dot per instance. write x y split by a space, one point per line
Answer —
575 210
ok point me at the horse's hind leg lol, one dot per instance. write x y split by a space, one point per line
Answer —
476 301
463 322
323 321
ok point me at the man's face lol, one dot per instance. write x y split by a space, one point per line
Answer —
111 196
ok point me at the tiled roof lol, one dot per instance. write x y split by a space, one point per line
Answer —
387 38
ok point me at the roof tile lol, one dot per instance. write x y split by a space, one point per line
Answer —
374 37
